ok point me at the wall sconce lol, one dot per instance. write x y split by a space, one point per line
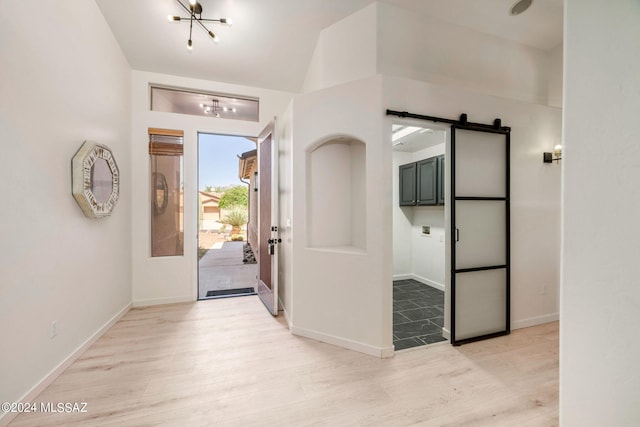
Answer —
549 157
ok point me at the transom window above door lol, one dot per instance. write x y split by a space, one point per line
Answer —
209 104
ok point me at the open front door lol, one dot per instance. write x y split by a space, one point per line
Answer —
480 283
267 218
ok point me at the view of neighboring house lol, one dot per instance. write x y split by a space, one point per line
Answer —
210 214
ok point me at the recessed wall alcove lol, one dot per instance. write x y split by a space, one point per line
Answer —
336 195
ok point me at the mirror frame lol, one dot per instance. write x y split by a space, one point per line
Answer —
81 182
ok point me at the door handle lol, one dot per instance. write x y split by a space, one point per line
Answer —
457 234
272 245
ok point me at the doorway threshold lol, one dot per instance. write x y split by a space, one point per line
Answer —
226 293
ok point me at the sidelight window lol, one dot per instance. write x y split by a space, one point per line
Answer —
167 192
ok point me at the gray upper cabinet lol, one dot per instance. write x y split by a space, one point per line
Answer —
422 183
408 185
427 178
441 180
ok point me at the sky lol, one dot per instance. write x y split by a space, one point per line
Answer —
218 159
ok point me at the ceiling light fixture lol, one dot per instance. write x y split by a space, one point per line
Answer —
195 15
215 108
519 7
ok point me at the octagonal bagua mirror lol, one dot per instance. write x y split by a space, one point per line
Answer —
95 179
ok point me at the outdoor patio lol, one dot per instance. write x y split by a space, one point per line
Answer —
222 268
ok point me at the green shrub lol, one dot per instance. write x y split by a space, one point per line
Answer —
238 195
236 217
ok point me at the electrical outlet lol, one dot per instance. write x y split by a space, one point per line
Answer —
54 329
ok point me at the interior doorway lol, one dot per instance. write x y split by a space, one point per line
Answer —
227 216
419 233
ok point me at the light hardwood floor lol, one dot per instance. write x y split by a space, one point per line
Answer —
228 362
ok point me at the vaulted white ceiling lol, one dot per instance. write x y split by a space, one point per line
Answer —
271 41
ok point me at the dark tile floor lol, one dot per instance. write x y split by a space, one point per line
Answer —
418 314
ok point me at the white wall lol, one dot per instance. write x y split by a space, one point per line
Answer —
386 39
402 217
600 299
174 279
343 295
426 49
555 77
428 254
63 80
535 187
335 194
346 50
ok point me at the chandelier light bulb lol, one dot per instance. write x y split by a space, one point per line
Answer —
192 2
190 45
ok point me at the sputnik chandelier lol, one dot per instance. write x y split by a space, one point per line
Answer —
195 15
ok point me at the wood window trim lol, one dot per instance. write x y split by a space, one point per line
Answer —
166 148
166 132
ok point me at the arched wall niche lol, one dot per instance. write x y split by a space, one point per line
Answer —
336 194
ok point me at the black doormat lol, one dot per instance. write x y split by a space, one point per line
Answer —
230 292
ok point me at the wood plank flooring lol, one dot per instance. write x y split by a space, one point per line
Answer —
228 362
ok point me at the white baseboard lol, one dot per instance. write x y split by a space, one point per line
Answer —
534 321
382 352
519 324
428 282
446 333
285 313
420 279
31 395
161 301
